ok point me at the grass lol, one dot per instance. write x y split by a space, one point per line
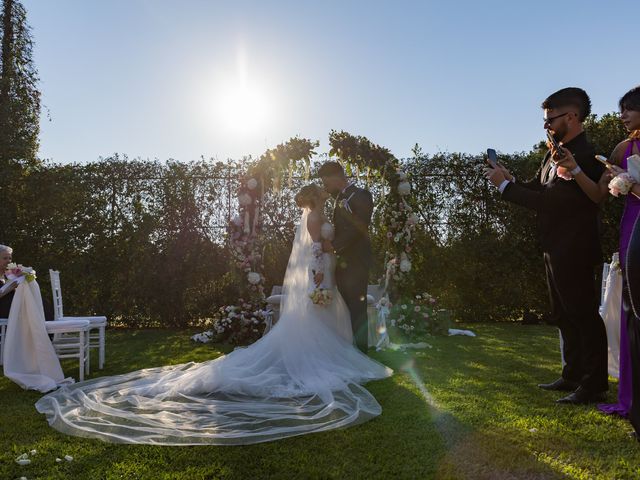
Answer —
462 409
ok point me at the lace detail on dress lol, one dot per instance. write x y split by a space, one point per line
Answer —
317 260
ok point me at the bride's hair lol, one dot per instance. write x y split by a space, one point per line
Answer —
308 196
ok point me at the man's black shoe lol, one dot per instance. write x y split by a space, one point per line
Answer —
582 397
561 385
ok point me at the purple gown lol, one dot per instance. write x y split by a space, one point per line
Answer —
631 212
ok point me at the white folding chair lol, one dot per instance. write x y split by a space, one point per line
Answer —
97 324
76 341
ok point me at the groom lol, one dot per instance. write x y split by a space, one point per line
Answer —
351 218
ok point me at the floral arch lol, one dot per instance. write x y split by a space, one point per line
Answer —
363 160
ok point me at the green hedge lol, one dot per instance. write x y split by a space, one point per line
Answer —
144 241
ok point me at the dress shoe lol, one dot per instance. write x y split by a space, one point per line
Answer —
582 396
561 384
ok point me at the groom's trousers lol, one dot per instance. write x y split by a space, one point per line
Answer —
352 281
574 307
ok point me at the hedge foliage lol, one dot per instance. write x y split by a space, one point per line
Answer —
144 241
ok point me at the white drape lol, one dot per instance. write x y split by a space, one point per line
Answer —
610 312
29 358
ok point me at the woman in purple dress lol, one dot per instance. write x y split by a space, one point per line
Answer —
629 386
630 116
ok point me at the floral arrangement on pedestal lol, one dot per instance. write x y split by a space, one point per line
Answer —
416 317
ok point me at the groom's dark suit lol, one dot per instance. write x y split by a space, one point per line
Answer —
351 218
568 227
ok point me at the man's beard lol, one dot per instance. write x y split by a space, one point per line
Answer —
559 134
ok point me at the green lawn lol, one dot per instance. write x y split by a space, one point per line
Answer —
462 409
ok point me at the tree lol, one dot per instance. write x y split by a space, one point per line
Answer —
19 94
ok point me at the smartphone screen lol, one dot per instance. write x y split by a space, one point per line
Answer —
492 157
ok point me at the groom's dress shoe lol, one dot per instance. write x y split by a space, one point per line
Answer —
561 384
582 396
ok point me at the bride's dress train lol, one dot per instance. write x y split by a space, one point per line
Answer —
304 376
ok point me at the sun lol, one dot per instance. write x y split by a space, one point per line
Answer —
242 108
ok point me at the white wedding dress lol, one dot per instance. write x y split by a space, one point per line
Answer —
303 376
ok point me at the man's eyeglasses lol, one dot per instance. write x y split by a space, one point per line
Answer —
549 121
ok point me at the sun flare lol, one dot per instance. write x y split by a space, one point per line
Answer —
242 108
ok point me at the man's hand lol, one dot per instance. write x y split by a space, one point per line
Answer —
495 175
317 278
567 161
327 246
506 173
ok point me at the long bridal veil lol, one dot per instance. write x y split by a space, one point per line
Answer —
300 378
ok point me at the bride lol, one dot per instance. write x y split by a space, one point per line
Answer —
304 376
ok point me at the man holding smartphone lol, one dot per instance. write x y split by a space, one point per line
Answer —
568 226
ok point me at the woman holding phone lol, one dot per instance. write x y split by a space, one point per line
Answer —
628 404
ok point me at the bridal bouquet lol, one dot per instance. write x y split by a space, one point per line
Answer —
15 270
321 296
621 184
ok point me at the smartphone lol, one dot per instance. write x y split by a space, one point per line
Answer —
492 157
602 159
555 144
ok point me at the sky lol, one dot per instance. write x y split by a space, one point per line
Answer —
224 79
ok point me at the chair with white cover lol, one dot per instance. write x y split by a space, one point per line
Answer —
97 324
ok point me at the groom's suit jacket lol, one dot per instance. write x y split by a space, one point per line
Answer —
568 221
351 218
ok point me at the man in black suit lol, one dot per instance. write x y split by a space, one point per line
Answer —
351 218
568 226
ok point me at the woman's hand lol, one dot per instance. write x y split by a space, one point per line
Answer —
12 286
615 170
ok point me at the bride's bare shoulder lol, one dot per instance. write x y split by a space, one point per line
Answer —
314 223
